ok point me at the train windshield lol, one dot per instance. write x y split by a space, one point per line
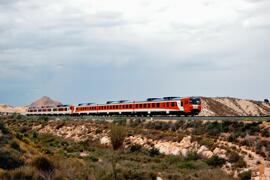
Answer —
195 101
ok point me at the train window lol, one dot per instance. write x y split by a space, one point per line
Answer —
154 105
144 105
140 105
136 106
173 104
158 105
168 104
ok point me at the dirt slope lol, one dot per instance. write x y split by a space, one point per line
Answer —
226 106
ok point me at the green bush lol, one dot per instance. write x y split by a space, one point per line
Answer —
265 133
153 152
117 134
135 148
240 163
233 157
35 135
186 165
215 161
15 145
232 138
245 175
19 136
192 156
3 128
9 161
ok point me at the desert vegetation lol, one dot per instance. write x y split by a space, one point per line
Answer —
130 148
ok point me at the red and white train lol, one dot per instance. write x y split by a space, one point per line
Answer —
152 106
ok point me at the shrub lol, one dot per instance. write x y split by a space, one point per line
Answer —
117 134
135 148
265 133
232 138
233 157
19 136
45 167
240 163
3 128
245 175
215 161
186 165
21 173
9 161
93 158
35 135
43 118
192 156
153 152
15 145
24 129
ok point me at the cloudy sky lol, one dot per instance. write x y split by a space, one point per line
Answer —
98 50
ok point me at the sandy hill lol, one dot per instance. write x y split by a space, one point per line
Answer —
226 106
45 101
9 109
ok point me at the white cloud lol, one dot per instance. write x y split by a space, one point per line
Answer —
189 35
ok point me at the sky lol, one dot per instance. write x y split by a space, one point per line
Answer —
98 50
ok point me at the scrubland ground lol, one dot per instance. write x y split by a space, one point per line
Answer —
49 148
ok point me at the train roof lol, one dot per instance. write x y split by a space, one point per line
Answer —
85 104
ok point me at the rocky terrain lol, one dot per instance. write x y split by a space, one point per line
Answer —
225 106
76 149
259 166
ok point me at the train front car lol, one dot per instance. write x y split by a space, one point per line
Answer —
195 104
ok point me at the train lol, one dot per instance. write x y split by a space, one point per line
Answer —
179 106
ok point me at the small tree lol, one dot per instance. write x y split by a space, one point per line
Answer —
215 161
118 135
266 100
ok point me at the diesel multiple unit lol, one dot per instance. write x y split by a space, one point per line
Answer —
152 106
